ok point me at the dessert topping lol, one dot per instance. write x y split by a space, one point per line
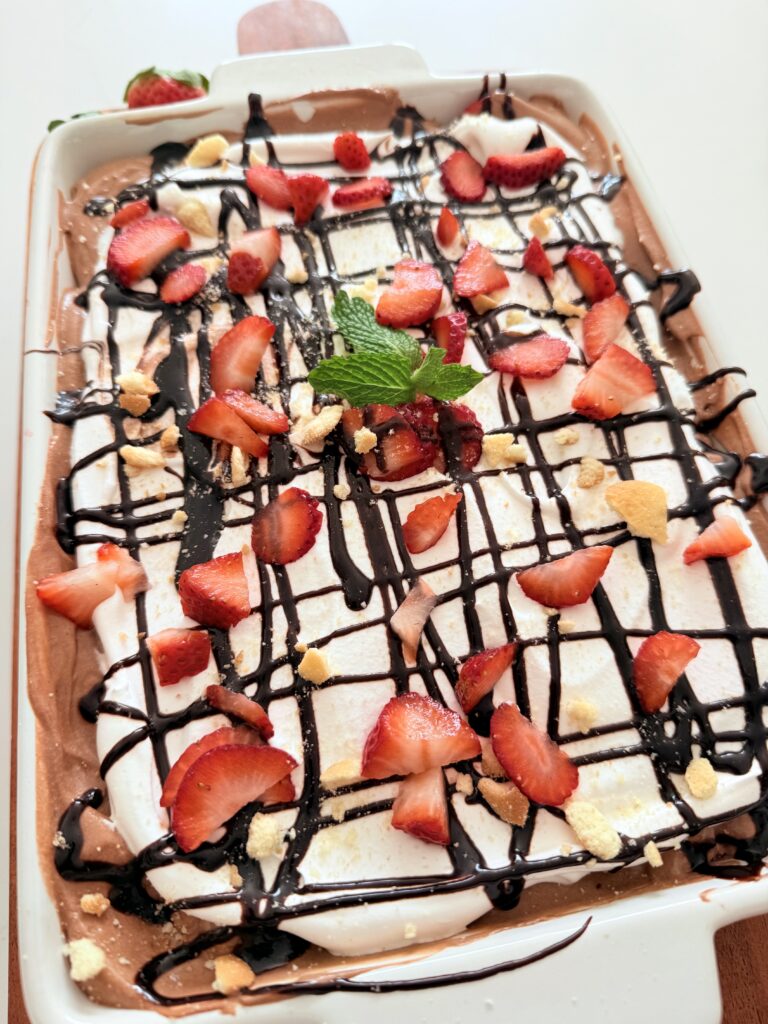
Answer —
131 211
534 762
136 383
462 177
652 854
251 259
593 830
94 903
536 261
236 359
182 283
421 808
448 227
583 713
207 151
569 309
169 439
86 959
660 661
721 539
642 505
193 214
135 251
349 150
216 419
413 296
224 737
365 440
265 838
76 594
314 667
307 191
568 580
232 974
450 333
342 491
591 472
478 273
566 436
257 415
539 358
592 276
286 528
506 800
602 325
411 616
139 457
312 433
341 773
428 521
400 452
130 574
154 86
363 194
500 450
701 778
270 184
541 222
480 673
215 593
179 653
613 382
519 170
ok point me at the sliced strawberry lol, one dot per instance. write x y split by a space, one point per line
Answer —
283 792
568 580
131 576
480 673
242 707
215 419
462 177
519 170
269 184
411 616
400 452
427 523
225 737
182 283
617 379
236 359
537 359
414 733
245 273
721 539
602 325
536 261
413 296
534 762
478 273
258 416
450 333
307 191
286 527
365 194
448 227
131 211
660 661
220 783
136 251
421 807
475 107
215 593
349 150
592 276
461 435
76 594
179 653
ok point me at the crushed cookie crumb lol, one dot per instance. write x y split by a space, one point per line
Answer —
297 274
506 800
566 625
235 878
86 959
490 763
207 151
410 931
502 450
593 830
583 713
540 223
136 405
179 517
341 773
591 472
566 436
365 291
365 440
513 317
314 668
141 458
314 431
169 439
652 854
264 837
484 303
59 841
341 491
566 308
136 383
642 505
94 903
464 784
238 466
336 809
193 214
701 778
232 974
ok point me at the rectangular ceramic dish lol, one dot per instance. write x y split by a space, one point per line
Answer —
638 957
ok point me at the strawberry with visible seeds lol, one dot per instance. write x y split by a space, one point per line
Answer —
251 259
242 707
568 580
448 227
480 673
660 661
400 452
539 358
520 170
450 333
215 593
461 435
178 653
349 151
602 325
77 593
428 521
182 283
130 573
462 177
421 807
533 761
153 87
270 184
225 737
286 528
413 296
136 250
236 359
592 276
536 261
307 192
478 273
365 194
131 211
721 539
260 417
216 419
615 381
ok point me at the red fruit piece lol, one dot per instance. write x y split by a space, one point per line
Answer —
219 784
178 653
215 419
537 359
152 87
462 177
411 616
519 170
450 333
75 594
478 273
413 296
245 273
258 416
448 227
225 737
602 325
721 539
534 762
286 527
241 707
130 574
236 359
592 276
349 150
400 452
536 261
262 245
365 194
215 593
414 733
131 211
427 523
613 382
137 249
307 191
421 807
269 184
480 673
182 283
566 581
283 792
461 435
660 661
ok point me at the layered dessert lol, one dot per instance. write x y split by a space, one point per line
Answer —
387 573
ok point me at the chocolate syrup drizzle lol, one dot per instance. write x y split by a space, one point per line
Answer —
668 737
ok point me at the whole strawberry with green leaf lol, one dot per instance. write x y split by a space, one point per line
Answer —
153 86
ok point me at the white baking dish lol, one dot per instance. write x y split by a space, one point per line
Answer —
639 956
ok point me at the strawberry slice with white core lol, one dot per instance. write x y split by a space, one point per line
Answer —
410 618
365 194
131 575
77 593
448 227
536 261
480 673
414 733
137 249
520 170
428 521
131 211
602 325
269 184
400 452
182 283
241 707
462 177
539 358
721 539
421 807
216 419
236 359
615 381
260 417
219 784
251 259
286 528
307 192
349 150
478 273
534 762
225 737
566 581
592 276
660 661
413 297
178 654
215 593
450 333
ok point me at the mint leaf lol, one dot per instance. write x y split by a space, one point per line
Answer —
452 381
428 373
365 378
356 321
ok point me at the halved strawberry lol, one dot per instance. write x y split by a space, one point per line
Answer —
400 452
414 733
349 150
602 325
534 762
242 707
462 177
307 191
220 783
519 170
286 527
215 593
215 419
245 273
480 673
225 737
136 251
269 184
258 416
568 580
592 276
478 273
283 792
421 807
660 661
365 194
182 283
536 261
131 576
413 296
537 359
236 359
721 539
131 211
262 244
448 227
178 653
613 382
427 523
76 593
461 435
411 616
450 333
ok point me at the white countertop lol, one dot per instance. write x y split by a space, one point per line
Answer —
687 80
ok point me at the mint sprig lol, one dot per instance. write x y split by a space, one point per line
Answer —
357 322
